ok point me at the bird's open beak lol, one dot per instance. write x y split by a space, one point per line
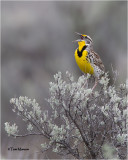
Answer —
87 37
78 33
78 40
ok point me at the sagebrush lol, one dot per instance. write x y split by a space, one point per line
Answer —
84 124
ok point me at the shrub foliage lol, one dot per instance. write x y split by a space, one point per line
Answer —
84 123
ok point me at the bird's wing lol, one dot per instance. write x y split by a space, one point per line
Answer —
97 61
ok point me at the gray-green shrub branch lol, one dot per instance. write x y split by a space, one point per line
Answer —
83 123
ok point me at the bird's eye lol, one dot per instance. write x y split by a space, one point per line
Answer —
82 37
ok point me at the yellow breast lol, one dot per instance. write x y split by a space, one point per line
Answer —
83 62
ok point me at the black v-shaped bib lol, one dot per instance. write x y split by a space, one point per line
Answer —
80 52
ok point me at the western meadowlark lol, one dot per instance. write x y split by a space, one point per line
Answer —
87 60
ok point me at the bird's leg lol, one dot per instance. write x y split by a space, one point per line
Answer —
86 83
96 82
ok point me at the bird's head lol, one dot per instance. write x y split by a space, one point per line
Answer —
84 39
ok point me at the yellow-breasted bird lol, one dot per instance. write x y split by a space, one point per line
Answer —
87 60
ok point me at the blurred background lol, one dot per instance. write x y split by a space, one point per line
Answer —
37 43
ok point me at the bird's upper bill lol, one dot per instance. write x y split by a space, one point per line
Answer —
83 37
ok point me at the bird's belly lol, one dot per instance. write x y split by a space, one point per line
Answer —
84 65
